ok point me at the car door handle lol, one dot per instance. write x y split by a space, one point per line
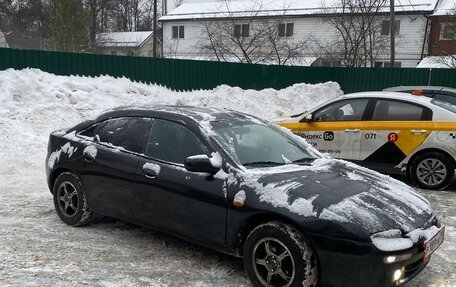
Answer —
88 157
418 132
352 130
149 173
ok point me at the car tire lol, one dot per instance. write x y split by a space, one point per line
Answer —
70 200
432 170
277 254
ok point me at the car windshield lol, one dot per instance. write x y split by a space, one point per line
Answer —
255 145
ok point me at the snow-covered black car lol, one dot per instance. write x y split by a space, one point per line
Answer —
238 184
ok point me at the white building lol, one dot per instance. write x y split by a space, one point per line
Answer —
125 43
183 26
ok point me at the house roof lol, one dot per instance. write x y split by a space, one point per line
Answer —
444 62
123 39
246 8
445 7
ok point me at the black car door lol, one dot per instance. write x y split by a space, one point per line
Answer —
169 197
110 164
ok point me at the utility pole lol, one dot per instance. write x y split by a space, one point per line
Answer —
392 33
154 52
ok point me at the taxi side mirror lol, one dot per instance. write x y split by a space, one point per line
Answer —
307 118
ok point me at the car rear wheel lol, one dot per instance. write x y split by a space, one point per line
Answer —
70 201
278 255
432 170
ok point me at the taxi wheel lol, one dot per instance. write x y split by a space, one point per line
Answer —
432 170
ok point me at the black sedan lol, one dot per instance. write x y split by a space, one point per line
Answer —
238 184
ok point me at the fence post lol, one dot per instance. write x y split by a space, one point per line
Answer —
429 77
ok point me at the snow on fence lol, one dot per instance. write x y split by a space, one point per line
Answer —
190 75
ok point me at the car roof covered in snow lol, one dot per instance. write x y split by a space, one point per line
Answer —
178 112
186 114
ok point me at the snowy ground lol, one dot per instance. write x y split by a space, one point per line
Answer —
37 249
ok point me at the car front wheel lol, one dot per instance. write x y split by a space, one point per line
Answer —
70 201
278 255
432 170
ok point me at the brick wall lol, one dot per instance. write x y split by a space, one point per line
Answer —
437 46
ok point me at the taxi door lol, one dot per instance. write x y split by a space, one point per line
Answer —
335 129
396 130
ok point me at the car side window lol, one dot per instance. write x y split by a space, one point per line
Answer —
173 142
90 131
388 110
128 133
346 110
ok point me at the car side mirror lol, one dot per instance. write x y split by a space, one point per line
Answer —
307 118
200 163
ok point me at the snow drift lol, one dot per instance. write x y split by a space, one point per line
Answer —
34 103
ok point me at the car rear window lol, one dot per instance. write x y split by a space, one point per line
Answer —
448 103
387 110
128 133
90 131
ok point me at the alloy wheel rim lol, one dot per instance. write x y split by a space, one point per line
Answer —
431 171
273 263
67 198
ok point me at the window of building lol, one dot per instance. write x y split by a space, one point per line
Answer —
173 142
241 30
448 31
386 27
178 32
113 53
286 29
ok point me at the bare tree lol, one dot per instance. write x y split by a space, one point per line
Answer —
95 7
252 39
357 28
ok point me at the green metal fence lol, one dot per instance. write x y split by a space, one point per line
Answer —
189 75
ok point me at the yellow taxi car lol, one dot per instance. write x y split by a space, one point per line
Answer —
390 132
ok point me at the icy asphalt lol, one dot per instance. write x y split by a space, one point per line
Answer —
37 249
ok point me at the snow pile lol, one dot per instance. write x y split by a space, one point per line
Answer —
91 151
34 103
55 156
392 240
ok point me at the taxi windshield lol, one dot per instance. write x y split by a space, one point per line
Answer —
255 145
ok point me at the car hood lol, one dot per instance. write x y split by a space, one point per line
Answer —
340 192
